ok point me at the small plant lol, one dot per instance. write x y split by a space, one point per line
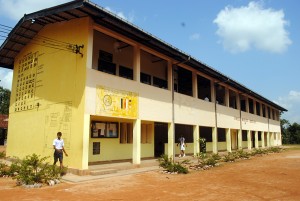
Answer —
170 166
216 156
33 170
201 156
242 154
230 157
4 169
274 150
210 161
2 154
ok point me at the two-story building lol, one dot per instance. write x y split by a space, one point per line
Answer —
117 92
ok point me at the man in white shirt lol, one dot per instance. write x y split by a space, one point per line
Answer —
182 146
58 145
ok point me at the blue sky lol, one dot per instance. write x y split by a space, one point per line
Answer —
257 43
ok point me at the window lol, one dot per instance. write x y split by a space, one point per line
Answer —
206 132
104 129
160 82
232 99
244 135
251 109
107 67
183 84
204 90
221 135
126 133
145 78
185 131
126 72
146 135
258 108
243 103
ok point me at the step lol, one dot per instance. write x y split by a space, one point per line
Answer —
102 172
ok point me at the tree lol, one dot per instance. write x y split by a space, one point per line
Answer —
4 100
285 124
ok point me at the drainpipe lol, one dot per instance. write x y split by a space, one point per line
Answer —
173 98
216 116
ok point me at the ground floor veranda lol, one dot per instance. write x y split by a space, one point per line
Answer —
119 139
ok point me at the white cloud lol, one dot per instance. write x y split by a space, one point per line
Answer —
15 9
6 76
245 27
195 36
292 103
129 18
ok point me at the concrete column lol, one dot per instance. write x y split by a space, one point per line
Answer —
171 140
215 140
263 139
136 63
268 139
226 97
280 139
240 140
196 136
212 91
136 144
195 85
170 72
85 142
256 139
249 139
228 139
271 139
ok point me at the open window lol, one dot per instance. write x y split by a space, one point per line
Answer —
183 81
232 99
204 88
220 94
251 106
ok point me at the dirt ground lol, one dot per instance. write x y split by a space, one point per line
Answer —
270 177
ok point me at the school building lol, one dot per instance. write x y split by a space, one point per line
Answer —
117 92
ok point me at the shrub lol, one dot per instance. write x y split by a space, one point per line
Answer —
170 166
216 157
274 149
201 156
34 169
2 154
210 161
242 154
4 169
230 157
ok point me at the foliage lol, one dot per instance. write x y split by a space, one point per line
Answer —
4 100
290 132
242 154
202 142
207 159
170 166
230 157
4 169
33 169
2 154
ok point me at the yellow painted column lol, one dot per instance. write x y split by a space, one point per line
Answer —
249 139
195 85
196 139
240 141
256 139
85 142
228 139
171 140
263 139
214 140
136 152
268 139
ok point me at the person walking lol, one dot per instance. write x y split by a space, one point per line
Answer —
182 146
58 145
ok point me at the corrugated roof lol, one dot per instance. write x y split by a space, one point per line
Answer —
27 28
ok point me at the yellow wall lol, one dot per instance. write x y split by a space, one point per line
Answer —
58 98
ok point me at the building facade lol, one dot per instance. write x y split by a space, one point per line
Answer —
117 92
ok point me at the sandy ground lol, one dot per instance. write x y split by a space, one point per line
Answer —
270 177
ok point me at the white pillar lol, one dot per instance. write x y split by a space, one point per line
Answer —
85 142
196 139
171 140
240 140
136 152
249 139
228 139
215 140
256 139
268 139
263 139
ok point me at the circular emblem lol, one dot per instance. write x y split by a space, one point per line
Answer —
107 100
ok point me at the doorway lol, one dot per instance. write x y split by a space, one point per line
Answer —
160 138
234 139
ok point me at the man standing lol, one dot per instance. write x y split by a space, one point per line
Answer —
58 145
